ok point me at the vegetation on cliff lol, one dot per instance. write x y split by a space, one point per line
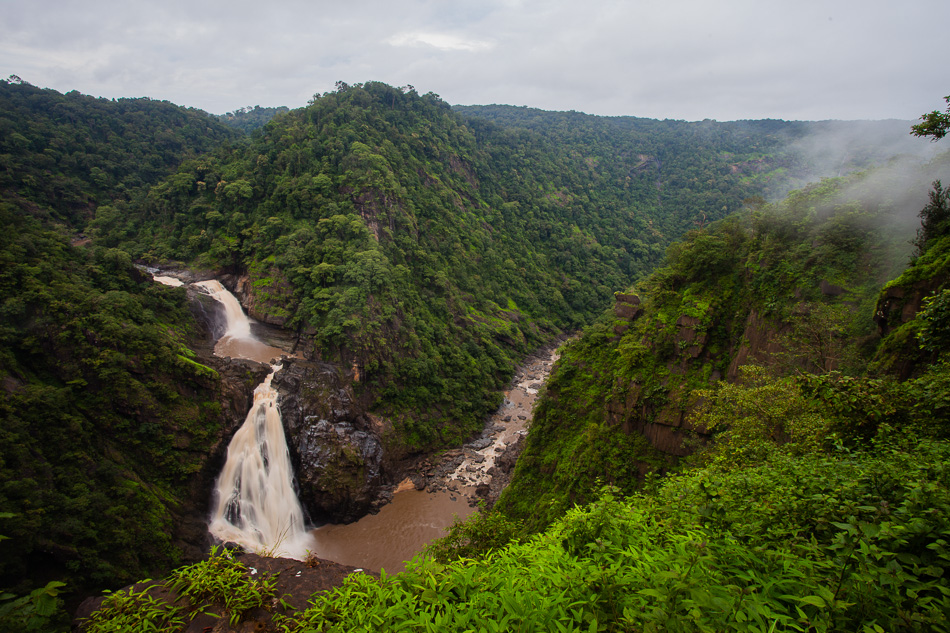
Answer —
105 417
428 250
792 286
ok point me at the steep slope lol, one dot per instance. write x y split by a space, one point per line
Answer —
424 251
791 286
107 420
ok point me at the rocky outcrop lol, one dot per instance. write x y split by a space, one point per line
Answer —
759 343
265 294
899 304
626 309
336 447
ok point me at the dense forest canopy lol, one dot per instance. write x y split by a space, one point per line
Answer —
70 153
428 248
106 417
802 277
823 503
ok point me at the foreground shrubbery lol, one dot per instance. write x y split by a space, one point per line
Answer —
852 541
855 541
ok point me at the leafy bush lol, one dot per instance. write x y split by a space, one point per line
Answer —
40 610
483 532
219 583
223 581
855 541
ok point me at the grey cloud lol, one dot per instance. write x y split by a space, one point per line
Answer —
687 59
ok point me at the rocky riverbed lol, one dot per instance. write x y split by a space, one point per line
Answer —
482 467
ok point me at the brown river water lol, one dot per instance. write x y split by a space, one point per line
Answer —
413 518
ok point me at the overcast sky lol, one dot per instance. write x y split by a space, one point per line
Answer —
678 59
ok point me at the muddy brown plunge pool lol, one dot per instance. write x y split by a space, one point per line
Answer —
397 533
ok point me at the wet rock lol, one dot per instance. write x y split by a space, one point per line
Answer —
478 445
336 449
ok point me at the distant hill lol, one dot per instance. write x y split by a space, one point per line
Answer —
428 247
249 118
65 154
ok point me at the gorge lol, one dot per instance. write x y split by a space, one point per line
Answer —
412 255
255 506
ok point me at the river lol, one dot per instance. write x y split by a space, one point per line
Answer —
414 518
402 528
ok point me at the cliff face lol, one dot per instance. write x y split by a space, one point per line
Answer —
901 301
785 287
336 446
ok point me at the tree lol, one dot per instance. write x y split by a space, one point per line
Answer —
935 124
934 218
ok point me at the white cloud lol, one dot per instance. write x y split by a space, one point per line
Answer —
441 41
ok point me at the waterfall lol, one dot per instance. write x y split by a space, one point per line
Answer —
255 504
239 326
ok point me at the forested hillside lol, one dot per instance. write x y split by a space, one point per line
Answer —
817 497
793 287
427 250
69 154
420 251
106 419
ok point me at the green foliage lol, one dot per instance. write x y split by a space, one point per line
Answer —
483 532
248 119
844 542
221 586
934 219
103 423
221 580
757 417
137 611
68 153
787 285
400 233
40 610
934 124
934 317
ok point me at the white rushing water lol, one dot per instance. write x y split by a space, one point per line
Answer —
238 341
255 504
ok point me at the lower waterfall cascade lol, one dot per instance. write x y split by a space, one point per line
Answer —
255 505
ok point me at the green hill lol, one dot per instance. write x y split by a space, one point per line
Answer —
792 286
427 249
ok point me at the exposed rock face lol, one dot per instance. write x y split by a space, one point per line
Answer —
266 295
759 342
899 304
336 447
